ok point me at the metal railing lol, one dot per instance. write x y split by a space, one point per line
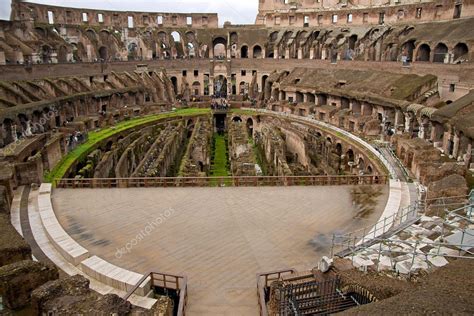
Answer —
263 282
250 181
178 283
348 243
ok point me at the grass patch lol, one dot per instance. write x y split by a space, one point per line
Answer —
219 160
96 137
219 157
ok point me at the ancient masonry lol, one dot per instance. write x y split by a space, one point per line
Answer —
375 97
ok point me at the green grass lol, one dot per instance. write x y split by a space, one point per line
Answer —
219 161
96 137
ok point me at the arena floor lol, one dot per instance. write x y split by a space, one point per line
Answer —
219 237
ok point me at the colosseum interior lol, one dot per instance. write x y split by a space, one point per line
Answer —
317 161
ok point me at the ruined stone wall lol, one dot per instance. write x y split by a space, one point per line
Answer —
66 102
270 138
135 151
163 152
295 13
196 160
242 159
102 18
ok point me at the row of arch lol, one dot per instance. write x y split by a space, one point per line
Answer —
438 54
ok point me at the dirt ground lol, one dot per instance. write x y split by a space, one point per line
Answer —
447 291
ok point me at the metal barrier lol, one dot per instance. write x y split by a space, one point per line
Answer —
220 181
384 228
263 282
167 281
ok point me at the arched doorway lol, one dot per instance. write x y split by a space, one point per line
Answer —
250 127
45 54
440 52
219 45
257 51
196 88
242 88
220 86
407 50
103 54
460 51
174 81
132 51
352 41
244 52
424 52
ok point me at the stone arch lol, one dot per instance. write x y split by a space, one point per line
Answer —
352 40
361 163
244 51
250 126
423 53
338 149
174 81
40 31
440 52
408 49
257 51
350 156
242 88
237 119
91 34
460 51
46 51
220 86
219 47
132 51
345 104
196 88
299 98
176 36
370 170
103 53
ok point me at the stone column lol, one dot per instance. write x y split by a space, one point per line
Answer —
287 53
397 120
408 127
211 85
300 53
311 53
456 140
275 54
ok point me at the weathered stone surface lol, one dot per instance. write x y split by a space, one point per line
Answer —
13 247
18 280
72 295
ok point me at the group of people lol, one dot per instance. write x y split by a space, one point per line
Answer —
219 104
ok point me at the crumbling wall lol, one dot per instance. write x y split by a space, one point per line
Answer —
242 158
196 159
19 279
162 153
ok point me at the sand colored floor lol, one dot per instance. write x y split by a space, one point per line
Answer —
219 237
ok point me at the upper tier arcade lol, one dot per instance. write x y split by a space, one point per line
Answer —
49 14
299 13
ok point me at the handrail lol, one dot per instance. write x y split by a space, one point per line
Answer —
245 181
181 288
268 276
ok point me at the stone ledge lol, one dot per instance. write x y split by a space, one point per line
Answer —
67 246
114 276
